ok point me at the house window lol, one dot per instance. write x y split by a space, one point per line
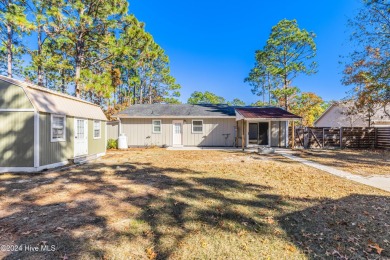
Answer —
97 129
197 126
156 126
58 128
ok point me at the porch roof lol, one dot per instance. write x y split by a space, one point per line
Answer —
264 113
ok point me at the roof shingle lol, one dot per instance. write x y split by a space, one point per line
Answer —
265 112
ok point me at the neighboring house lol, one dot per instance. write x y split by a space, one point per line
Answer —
339 115
204 125
41 129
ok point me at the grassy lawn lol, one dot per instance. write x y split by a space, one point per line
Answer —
159 204
362 162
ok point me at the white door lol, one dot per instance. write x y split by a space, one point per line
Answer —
81 137
177 133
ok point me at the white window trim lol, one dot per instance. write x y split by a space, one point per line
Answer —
51 129
100 129
155 132
192 127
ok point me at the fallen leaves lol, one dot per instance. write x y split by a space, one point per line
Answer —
290 248
150 253
372 245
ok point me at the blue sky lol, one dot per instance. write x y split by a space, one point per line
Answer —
211 44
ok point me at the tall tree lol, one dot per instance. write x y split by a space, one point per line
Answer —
260 77
38 10
207 97
289 52
368 68
13 23
309 106
89 26
236 102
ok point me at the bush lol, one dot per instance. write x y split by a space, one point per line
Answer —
112 144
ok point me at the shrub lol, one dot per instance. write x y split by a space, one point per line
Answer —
112 144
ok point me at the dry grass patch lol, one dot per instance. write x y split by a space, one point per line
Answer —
362 162
159 204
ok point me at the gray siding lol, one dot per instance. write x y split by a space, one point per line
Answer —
139 132
96 146
12 96
113 130
54 152
17 139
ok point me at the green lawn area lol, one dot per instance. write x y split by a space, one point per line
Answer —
160 204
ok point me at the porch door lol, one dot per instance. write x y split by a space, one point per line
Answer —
253 133
263 133
177 133
81 137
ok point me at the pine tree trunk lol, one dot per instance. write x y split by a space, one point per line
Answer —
285 95
39 69
134 97
150 94
9 50
140 94
63 81
269 91
78 61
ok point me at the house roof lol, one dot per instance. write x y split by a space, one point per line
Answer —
265 112
177 110
53 102
202 111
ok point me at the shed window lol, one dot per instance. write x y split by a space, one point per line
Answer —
97 129
156 126
197 126
58 128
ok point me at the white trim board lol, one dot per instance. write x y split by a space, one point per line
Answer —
17 110
268 119
36 139
32 169
40 168
173 117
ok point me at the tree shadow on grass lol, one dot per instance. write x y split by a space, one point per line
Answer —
51 225
343 158
174 203
348 228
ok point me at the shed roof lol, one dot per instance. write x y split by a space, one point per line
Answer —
53 102
177 110
265 112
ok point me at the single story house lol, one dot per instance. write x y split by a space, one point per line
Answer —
341 114
204 125
41 128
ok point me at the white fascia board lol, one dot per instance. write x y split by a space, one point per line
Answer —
239 116
178 117
271 119
17 110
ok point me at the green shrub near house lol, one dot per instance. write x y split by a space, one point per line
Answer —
112 144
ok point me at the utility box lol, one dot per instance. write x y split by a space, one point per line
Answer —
122 141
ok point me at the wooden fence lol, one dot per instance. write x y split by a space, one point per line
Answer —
344 137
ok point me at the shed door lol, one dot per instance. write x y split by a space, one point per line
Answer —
81 137
177 133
